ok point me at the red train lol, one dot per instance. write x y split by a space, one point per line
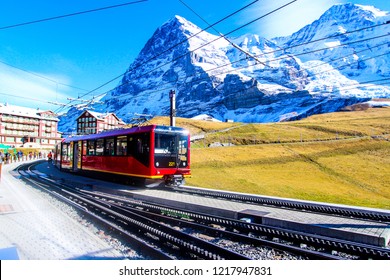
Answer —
145 152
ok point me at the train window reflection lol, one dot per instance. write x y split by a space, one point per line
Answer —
65 152
99 147
91 147
109 147
121 146
165 144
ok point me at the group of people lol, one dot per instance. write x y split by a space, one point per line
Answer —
8 157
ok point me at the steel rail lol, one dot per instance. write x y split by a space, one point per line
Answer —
136 243
362 251
126 219
364 214
236 237
185 241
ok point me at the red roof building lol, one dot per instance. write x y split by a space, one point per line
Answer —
90 122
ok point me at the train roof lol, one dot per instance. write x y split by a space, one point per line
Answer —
125 131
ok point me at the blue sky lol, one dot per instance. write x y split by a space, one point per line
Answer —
88 50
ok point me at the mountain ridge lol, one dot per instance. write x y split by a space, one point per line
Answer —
288 78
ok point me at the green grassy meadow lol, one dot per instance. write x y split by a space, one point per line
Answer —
340 157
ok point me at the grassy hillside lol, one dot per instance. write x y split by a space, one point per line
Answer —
339 157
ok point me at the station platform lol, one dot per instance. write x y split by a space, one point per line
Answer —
367 232
33 228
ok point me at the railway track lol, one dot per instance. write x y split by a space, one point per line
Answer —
285 240
368 215
161 232
156 240
46 185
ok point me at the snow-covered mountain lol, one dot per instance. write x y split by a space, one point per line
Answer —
334 62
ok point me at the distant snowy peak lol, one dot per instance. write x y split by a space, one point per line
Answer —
338 19
255 43
178 39
347 13
376 12
165 37
189 29
184 29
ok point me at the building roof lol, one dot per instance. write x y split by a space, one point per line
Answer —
97 115
27 112
100 116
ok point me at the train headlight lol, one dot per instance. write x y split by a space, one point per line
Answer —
157 164
184 164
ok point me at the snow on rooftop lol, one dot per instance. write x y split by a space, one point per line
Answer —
22 111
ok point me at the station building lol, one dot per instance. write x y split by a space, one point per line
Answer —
27 127
90 122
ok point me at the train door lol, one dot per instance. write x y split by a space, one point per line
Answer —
77 147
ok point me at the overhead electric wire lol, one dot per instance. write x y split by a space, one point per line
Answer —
276 59
59 17
230 42
71 14
340 34
322 39
305 53
356 62
342 57
28 98
333 68
254 57
349 32
196 34
170 48
41 76
365 84
280 49
317 40
301 44
212 41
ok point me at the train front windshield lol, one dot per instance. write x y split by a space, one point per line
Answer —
171 150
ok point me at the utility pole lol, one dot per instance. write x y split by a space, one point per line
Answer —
172 97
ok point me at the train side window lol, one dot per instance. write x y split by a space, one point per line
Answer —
130 146
99 147
65 152
91 147
109 147
121 145
140 147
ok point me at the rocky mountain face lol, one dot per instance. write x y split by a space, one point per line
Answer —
321 68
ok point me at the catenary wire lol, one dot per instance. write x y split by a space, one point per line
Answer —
150 90
276 59
212 41
168 49
43 77
71 14
290 47
228 40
